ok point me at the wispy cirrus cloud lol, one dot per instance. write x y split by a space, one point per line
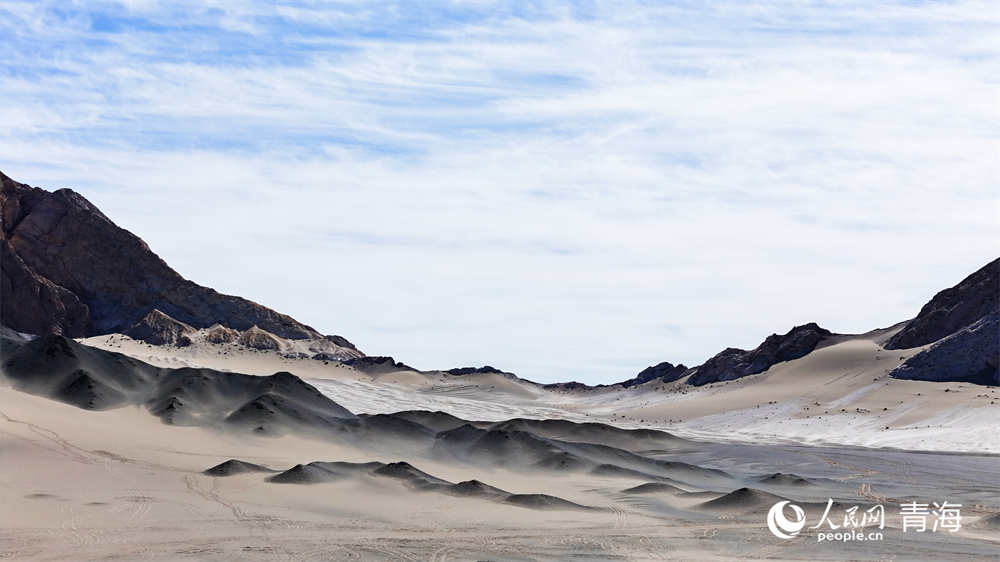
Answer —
562 189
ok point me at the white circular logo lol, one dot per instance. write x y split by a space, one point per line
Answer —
780 525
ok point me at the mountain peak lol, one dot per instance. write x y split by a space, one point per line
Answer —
68 269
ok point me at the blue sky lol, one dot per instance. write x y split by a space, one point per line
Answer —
565 190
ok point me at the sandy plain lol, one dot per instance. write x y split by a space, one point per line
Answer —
121 485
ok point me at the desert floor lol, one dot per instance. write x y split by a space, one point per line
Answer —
119 484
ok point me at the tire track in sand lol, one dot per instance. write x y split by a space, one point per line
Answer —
138 504
243 516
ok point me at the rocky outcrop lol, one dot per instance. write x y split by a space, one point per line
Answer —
159 329
962 324
67 269
219 334
969 355
953 309
486 370
736 363
666 372
340 341
377 365
327 350
570 386
259 339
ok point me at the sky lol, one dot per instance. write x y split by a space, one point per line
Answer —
563 190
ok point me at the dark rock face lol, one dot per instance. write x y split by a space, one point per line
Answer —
952 309
340 341
459 371
67 269
570 386
736 363
666 372
33 304
376 364
969 355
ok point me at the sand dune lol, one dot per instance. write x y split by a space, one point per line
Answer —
411 477
779 479
233 466
653 488
89 378
475 489
323 472
838 394
489 465
235 432
76 374
742 500
543 502
147 493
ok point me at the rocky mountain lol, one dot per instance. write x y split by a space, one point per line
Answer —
729 364
733 363
736 363
665 372
969 355
962 326
65 268
68 269
953 309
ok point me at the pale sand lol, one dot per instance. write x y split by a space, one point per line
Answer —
81 485
119 484
856 399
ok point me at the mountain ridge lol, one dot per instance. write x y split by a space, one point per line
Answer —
68 269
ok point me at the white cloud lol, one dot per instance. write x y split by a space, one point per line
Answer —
560 193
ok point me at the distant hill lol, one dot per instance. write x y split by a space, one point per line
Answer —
93 379
960 324
67 269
